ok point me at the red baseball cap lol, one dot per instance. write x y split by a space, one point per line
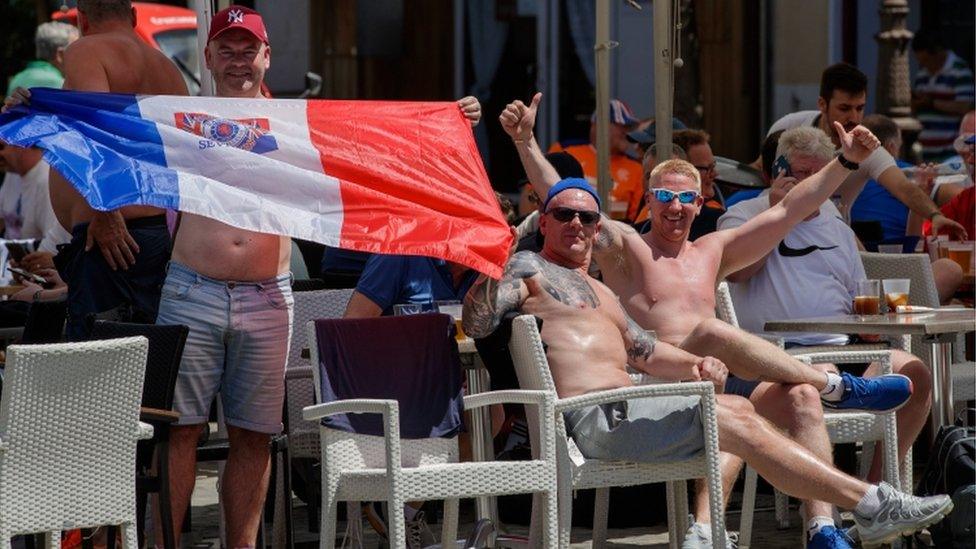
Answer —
238 17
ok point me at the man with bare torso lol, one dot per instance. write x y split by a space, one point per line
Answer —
133 242
667 284
591 340
232 287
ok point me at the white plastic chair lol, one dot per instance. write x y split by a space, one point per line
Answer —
302 436
577 472
69 423
358 467
842 427
918 269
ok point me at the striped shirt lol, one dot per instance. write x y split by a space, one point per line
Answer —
954 82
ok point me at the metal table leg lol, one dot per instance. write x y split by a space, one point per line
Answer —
941 347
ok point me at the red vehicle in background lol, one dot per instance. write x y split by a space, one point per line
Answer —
170 29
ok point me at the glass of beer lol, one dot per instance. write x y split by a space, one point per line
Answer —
867 300
896 292
454 308
961 253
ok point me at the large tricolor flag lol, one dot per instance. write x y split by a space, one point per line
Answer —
375 176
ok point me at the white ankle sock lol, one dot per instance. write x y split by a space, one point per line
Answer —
815 524
834 389
870 503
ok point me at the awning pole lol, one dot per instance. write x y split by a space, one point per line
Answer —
602 53
204 9
663 76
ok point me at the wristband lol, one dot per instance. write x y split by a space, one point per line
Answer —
932 215
37 295
847 163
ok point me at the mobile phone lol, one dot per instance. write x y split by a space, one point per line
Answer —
781 167
17 250
27 275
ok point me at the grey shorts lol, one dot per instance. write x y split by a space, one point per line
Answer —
647 430
237 346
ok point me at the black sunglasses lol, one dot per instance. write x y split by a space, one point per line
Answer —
565 215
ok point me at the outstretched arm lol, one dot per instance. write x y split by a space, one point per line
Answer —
894 180
744 245
489 300
518 120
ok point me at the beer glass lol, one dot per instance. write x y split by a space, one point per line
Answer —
896 292
454 308
867 300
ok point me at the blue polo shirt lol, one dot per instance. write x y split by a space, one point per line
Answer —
390 280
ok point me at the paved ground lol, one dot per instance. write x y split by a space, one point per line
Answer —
206 533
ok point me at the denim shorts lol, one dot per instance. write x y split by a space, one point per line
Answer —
644 430
237 346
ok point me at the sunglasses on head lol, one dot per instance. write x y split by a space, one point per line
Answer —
565 215
667 195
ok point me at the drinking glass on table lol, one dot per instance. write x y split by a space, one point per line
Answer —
454 308
867 300
961 253
401 309
896 292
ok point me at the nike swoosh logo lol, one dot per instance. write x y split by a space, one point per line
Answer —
786 251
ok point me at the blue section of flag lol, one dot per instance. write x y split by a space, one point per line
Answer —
82 133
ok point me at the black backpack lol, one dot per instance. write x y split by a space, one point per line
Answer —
951 469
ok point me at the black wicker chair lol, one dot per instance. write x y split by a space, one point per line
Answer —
165 353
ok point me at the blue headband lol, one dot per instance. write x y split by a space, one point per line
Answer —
571 183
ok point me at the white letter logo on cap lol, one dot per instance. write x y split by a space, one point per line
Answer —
235 16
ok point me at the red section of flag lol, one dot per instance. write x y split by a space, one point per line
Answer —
412 181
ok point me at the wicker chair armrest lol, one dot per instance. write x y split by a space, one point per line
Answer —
699 388
144 431
513 396
848 357
351 406
158 415
299 372
774 339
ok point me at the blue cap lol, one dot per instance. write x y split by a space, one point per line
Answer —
571 183
620 114
648 135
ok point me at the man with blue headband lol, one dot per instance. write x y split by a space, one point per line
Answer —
591 341
667 284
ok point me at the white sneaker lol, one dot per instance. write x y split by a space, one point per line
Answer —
900 514
699 536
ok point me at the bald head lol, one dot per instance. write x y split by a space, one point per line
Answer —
105 10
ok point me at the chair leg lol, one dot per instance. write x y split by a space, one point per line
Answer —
537 522
449 527
565 516
675 534
328 517
748 508
130 536
287 500
53 539
396 525
550 521
163 496
782 509
601 513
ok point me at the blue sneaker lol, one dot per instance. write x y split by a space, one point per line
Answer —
830 537
878 395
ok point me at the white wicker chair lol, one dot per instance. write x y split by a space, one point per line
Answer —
918 269
69 423
577 472
842 427
302 436
371 468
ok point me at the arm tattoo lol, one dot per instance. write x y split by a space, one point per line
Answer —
641 343
488 300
